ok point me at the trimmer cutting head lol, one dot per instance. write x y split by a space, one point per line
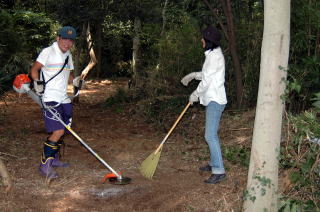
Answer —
120 180
116 180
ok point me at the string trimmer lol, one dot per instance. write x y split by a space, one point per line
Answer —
21 84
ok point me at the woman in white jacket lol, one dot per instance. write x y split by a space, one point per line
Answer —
212 95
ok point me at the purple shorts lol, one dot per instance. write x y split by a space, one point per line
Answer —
64 111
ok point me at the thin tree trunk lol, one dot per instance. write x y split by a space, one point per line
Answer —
214 13
309 31
232 44
226 5
317 49
76 56
250 8
92 63
136 54
164 17
98 48
6 179
93 59
262 186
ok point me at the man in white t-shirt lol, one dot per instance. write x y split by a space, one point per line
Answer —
51 72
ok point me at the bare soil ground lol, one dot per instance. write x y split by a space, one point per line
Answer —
123 141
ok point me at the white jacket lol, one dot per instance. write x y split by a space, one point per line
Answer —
211 86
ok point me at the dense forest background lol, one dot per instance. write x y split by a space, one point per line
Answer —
155 43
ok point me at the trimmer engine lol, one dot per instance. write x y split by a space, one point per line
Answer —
21 83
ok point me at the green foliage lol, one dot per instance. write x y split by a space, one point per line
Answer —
180 50
15 65
10 41
35 29
249 30
116 34
121 96
175 54
156 111
301 156
237 154
290 206
304 54
23 35
77 12
316 103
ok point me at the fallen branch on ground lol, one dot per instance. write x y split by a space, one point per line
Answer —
7 182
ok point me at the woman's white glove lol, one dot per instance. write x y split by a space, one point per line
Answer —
194 75
78 82
193 97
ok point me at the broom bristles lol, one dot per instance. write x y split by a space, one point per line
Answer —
149 165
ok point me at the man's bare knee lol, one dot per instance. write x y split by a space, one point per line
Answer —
56 135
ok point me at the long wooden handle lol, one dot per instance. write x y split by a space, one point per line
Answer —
174 125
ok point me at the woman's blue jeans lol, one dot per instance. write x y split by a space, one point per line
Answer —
213 115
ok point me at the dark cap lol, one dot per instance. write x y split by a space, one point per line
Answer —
67 32
212 34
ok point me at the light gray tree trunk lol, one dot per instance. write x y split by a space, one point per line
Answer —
262 188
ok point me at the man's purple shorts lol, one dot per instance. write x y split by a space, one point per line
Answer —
64 111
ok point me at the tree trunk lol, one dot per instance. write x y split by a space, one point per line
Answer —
164 17
77 55
232 43
7 182
136 50
214 13
92 63
93 59
98 49
262 187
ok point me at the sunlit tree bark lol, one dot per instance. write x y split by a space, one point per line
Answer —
93 59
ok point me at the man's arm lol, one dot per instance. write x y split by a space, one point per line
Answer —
34 71
71 77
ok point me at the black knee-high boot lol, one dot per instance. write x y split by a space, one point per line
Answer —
56 161
49 150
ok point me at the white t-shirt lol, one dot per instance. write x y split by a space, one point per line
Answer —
211 86
52 59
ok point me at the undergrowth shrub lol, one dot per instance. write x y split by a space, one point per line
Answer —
300 157
237 154
176 53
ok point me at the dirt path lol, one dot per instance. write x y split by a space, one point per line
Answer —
123 142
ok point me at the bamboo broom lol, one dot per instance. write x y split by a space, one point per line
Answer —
149 165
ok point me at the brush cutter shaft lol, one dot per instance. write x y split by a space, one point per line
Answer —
36 98
172 128
83 143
